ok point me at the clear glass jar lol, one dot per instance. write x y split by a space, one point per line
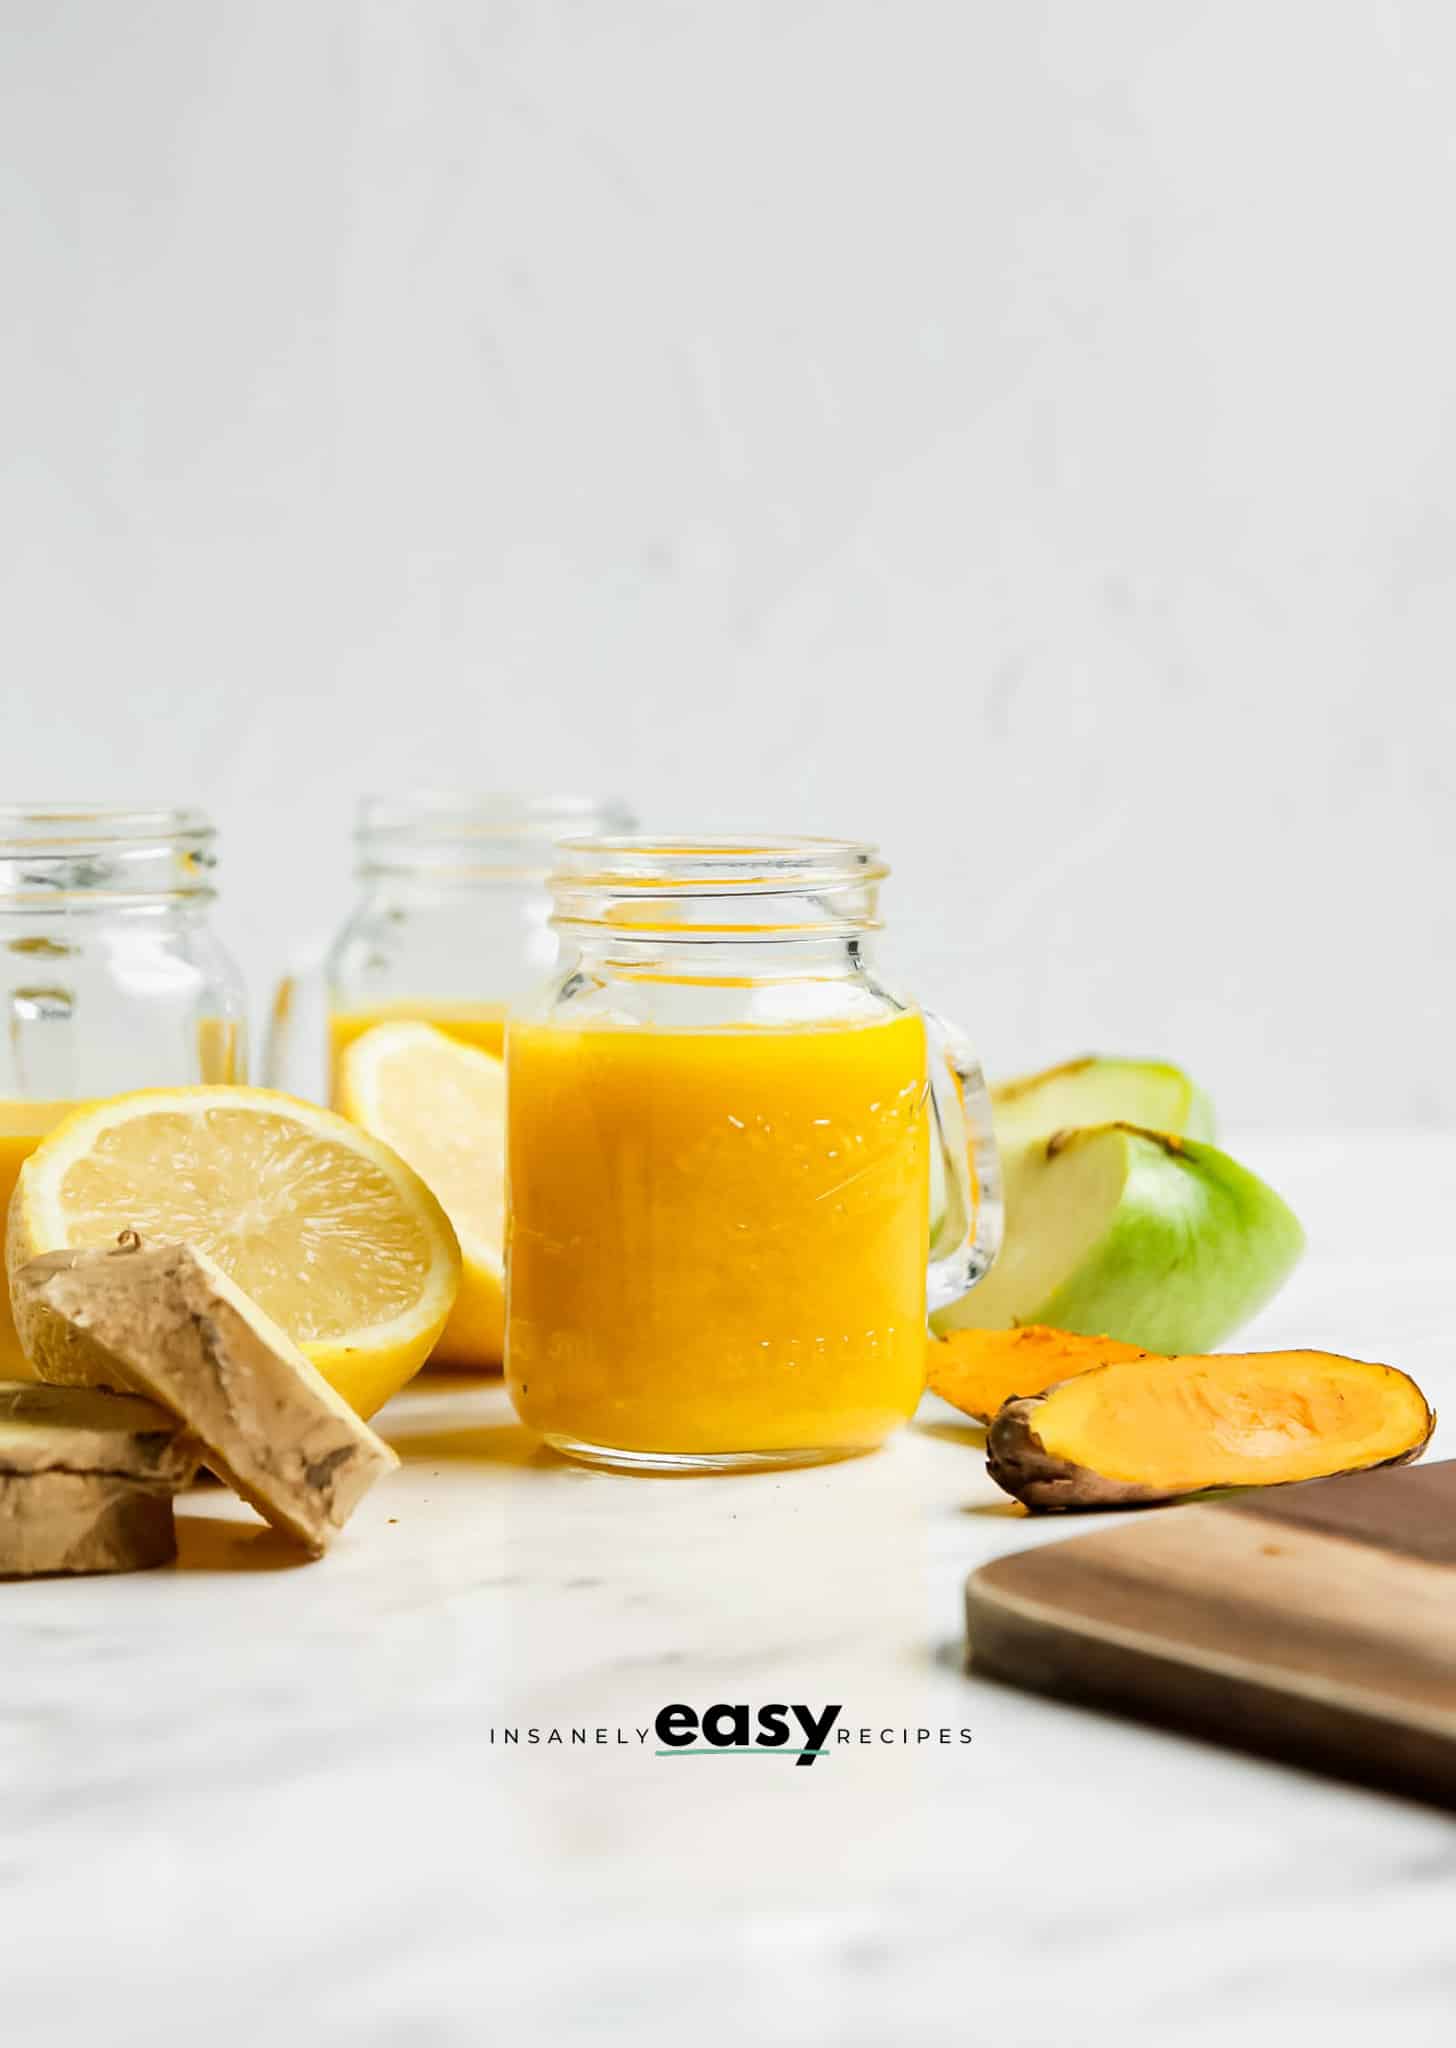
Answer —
451 925
112 977
730 1148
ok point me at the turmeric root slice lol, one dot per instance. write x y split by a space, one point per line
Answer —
167 1322
977 1370
1156 1429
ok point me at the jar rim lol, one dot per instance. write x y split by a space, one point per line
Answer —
708 888
729 864
43 828
465 837
103 852
484 814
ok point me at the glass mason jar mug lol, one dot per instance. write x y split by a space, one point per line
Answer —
110 976
450 926
730 1148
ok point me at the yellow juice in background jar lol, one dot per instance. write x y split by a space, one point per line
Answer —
478 1024
22 1126
717 1238
220 1052
450 926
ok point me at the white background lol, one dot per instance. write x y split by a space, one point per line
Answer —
1020 433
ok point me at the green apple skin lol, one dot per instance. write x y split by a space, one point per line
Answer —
1153 1094
1116 1231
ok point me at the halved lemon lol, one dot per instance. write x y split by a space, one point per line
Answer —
442 1106
328 1230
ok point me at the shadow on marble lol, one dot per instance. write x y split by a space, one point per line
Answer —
438 1382
208 1543
969 1434
507 1443
514 1445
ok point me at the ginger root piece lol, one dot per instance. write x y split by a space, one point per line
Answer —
166 1321
977 1370
1155 1429
86 1481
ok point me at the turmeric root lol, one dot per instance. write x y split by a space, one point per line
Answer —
976 1370
1156 1429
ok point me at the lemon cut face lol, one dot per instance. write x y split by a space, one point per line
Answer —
328 1230
442 1106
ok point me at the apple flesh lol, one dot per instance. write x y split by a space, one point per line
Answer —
1115 1231
1149 1093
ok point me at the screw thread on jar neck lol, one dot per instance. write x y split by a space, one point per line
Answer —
716 891
104 853
446 837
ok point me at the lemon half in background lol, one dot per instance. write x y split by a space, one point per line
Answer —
442 1106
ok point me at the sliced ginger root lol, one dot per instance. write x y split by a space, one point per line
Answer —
977 1370
86 1480
164 1321
1151 1429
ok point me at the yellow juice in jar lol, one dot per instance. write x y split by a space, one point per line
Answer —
219 1050
479 1024
717 1238
22 1126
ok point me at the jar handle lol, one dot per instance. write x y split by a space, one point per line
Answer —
966 1207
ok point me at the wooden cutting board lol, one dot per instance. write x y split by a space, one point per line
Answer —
1316 1623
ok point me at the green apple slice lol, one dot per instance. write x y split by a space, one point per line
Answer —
1149 1093
1114 1231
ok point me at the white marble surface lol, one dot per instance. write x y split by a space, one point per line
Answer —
247 1801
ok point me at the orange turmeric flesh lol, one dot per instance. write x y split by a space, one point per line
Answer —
976 1370
1154 1428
